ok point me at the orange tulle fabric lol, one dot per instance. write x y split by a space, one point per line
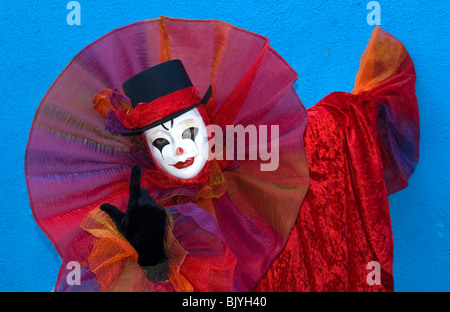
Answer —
380 61
108 99
114 261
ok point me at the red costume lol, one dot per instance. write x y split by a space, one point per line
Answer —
236 228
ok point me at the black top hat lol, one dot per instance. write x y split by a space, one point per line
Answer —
158 81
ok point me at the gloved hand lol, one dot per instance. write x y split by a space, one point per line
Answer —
143 224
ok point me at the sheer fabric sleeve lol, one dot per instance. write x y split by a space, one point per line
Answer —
387 74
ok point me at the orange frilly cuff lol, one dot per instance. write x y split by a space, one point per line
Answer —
114 260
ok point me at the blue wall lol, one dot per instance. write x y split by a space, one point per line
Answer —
322 41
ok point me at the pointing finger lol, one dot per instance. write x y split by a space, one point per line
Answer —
135 186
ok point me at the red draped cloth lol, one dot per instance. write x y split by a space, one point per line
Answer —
361 147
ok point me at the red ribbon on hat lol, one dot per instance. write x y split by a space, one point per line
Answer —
147 113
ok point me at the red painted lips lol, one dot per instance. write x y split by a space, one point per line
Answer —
184 164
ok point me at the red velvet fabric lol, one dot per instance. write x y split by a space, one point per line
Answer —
344 222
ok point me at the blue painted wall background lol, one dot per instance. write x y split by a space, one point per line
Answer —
321 40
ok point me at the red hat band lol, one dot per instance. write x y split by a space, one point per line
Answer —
148 115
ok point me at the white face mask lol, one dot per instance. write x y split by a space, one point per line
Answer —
180 146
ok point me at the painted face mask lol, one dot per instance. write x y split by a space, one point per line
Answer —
180 145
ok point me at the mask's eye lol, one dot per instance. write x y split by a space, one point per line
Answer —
190 133
160 143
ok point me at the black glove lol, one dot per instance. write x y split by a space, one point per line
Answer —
144 223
